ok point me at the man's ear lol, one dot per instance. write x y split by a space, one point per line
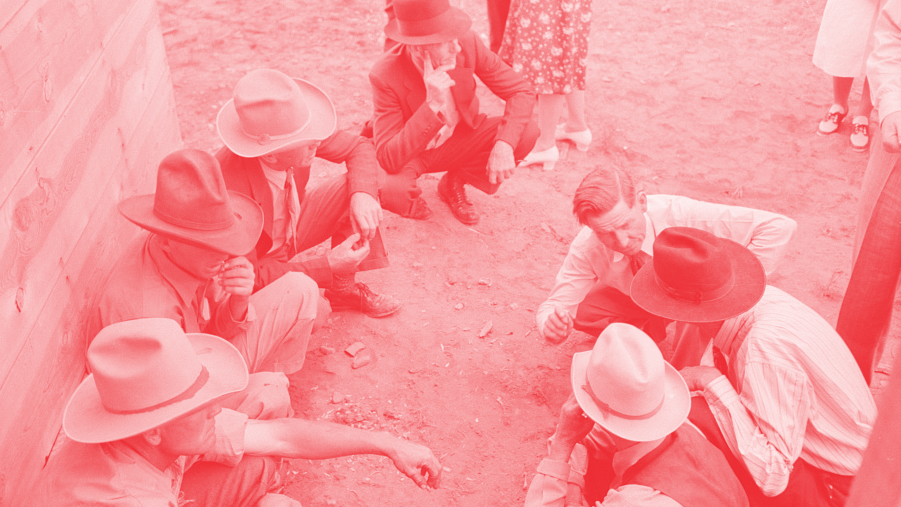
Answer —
642 200
153 437
268 158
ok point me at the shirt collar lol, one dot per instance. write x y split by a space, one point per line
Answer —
184 283
626 458
277 178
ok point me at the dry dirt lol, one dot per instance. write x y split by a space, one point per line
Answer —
713 99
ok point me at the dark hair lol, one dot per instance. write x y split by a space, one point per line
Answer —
599 192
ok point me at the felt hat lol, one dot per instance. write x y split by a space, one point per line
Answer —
624 385
147 372
426 22
695 276
270 111
192 205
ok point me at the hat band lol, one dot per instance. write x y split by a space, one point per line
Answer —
185 395
421 27
697 296
265 138
606 408
197 226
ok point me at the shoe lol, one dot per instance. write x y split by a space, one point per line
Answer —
547 157
581 138
860 133
362 299
451 191
833 119
420 210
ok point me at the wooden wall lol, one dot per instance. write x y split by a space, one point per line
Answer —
86 114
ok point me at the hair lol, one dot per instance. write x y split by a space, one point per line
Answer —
601 190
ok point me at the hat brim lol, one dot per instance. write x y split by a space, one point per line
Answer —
459 25
86 420
676 405
238 239
750 282
322 124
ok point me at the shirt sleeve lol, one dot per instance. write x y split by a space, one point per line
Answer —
229 447
574 280
764 233
220 318
884 63
635 495
358 154
765 424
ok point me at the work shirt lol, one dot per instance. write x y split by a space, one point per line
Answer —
113 474
146 283
793 390
589 262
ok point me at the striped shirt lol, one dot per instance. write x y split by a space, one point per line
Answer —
798 392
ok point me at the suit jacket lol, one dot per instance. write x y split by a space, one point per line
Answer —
245 175
404 124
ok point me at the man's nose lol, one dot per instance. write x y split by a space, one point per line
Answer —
622 238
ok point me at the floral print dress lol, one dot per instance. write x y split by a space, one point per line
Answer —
546 41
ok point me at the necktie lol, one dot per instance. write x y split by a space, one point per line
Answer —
292 213
638 260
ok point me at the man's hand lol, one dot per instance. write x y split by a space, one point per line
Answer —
344 258
416 462
698 377
891 132
236 278
365 215
572 427
436 82
558 326
501 162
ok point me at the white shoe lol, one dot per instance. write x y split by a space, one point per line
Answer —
581 138
547 157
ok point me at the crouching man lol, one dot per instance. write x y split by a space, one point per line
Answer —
167 418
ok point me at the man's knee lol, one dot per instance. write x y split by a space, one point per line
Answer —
301 291
267 396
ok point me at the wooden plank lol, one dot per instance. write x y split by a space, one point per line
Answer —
46 211
51 364
42 67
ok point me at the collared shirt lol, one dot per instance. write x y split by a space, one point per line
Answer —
449 115
146 283
113 474
798 392
549 487
765 233
884 63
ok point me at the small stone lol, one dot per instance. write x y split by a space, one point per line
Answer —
459 306
486 329
337 398
417 265
361 360
326 350
514 306
485 281
354 349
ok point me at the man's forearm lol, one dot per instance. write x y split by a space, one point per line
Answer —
299 438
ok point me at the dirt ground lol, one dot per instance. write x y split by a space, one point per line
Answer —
713 99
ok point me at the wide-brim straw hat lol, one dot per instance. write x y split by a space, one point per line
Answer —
696 276
147 372
191 205
426 22
270 111
624 385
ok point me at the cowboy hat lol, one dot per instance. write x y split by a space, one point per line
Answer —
270 111
147 372
624 385
192 205
695 276
426 22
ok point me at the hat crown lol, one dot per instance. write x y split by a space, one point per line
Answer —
408 11
191 193
270 105
139 365
626 371
426 22
692 265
